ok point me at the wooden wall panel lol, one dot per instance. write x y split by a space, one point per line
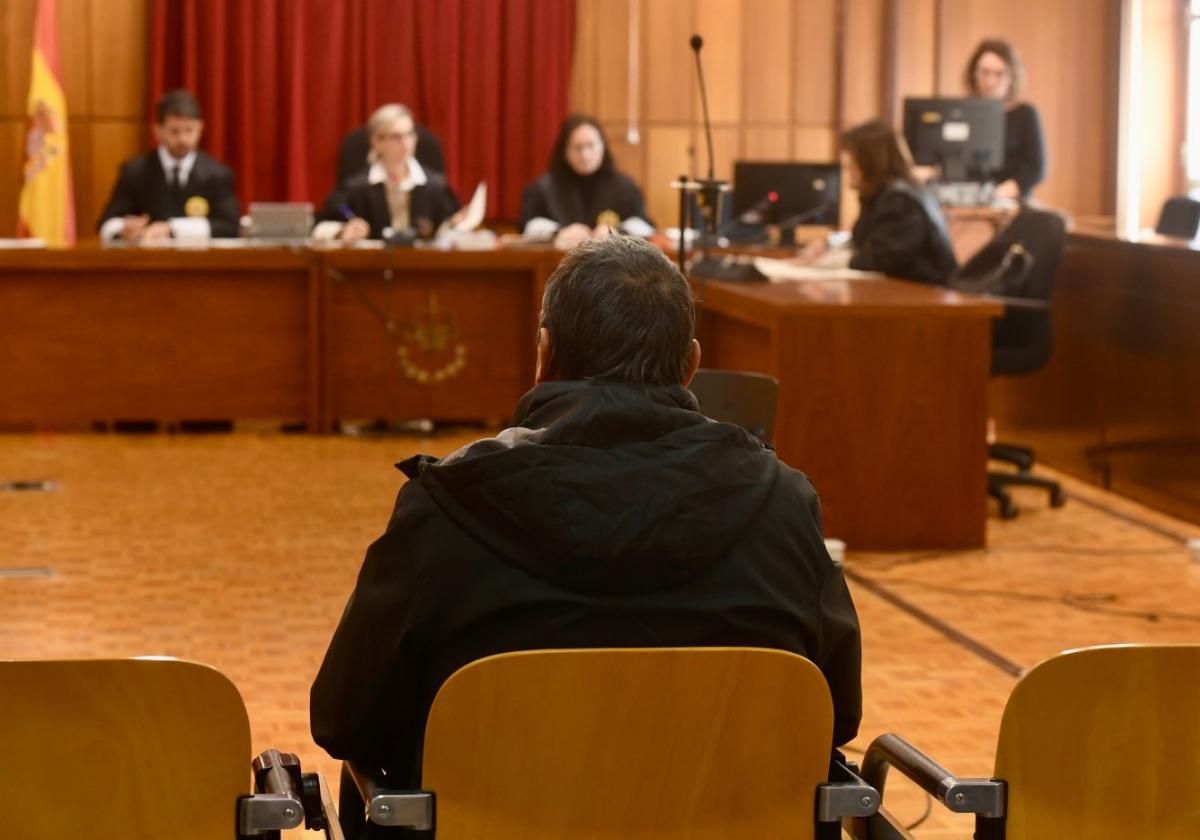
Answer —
789 75
103 55
119 63
816 72
16 32
767 83
723 68
668 77
666 159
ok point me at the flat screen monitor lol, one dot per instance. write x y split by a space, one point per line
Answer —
964 137
804 193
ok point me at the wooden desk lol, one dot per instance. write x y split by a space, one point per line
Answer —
90 334
422 334
883 399
1118 404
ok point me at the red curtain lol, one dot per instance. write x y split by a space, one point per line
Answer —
281 82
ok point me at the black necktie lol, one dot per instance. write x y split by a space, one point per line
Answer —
176 183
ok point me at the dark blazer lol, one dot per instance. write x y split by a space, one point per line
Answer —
582 200
430 204
142 188
901 232
352 156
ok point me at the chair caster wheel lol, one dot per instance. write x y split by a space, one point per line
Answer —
1008 510
1058 497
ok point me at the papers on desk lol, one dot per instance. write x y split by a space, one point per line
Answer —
780 271
25 244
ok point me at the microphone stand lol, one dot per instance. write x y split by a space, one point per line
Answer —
709 191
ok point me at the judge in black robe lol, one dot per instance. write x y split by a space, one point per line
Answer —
583 186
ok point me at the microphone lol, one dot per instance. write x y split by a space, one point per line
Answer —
758 212
697 42
808 215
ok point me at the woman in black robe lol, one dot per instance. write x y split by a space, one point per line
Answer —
582 193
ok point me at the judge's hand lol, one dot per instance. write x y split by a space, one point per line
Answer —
813 251
134 227
355 230
571 235
601 231
156 231
1008 189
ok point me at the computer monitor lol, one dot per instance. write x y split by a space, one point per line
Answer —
964 137
803 193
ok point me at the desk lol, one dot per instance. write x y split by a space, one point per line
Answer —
883 399
447 336
92 334
1118 404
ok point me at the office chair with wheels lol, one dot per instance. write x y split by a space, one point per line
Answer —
1102 743
130 748
634 742
739 397
1180 217
1018 266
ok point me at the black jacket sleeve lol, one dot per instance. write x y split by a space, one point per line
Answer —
224 215
533 205
889 239
123 201
1028 166
838 651
364 703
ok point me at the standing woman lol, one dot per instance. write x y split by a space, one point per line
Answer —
900 230
582 193
995 71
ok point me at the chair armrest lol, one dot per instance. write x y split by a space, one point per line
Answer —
276 803
985 798
845 796
390 807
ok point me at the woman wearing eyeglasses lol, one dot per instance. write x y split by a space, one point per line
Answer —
995 71
396 196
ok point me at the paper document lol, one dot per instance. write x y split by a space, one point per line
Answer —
476 209
23 244
779 271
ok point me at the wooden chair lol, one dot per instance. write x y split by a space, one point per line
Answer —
128 748
1096 743
628 743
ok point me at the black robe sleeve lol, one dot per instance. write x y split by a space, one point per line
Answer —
1024 149
224 214
123 201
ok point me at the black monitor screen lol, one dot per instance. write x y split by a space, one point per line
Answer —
965 137
804 193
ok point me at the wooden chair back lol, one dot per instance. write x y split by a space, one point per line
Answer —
629 743
120 748
1105 743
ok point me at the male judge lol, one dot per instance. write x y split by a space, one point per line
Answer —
174 180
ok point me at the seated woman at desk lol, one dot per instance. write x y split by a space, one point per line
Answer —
900 230
583 193
995 71
395 196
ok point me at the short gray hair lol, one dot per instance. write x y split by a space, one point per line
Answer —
618 310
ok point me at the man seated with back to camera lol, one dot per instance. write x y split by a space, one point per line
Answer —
611 514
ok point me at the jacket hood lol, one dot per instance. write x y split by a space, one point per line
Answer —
605 487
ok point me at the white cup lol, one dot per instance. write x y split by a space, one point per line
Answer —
1193 547
837 551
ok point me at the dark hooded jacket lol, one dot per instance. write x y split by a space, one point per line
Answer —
609 515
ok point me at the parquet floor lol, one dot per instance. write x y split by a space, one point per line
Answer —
239 550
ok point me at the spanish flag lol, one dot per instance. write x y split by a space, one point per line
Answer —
47 208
